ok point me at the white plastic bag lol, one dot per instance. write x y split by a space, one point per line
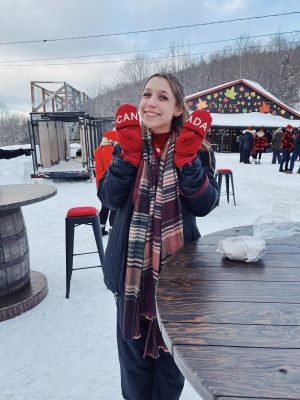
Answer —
243 248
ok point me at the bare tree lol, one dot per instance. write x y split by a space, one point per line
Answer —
136 70
13 127
245 58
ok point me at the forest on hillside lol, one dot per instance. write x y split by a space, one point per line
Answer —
274 65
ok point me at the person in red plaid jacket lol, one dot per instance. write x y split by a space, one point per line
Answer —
259 145
296 152
287 147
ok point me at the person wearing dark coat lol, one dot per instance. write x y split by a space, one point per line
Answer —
296 152
276 146
269 137
161 177
241 146
287 147
248 143
7 154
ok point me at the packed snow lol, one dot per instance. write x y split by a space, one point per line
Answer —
65 349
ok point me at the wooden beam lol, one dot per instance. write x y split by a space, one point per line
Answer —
48 99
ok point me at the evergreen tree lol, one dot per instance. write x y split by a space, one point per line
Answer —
287 80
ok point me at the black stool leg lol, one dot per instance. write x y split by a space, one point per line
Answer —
227 186
69 253
219 181
98 238
232 186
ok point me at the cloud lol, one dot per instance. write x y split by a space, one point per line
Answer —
233 6
226 6
31 20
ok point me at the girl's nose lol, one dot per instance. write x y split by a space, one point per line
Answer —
152 102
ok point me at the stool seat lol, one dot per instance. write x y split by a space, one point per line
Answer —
81 212
223 170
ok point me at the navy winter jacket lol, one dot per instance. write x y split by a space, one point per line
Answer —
248 141
199 195
297 144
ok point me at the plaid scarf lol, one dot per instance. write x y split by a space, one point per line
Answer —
156 232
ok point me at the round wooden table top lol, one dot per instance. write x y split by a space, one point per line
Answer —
232 327
14 196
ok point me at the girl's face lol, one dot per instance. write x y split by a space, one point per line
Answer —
158 106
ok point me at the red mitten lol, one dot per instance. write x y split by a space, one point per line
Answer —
129 132
191 137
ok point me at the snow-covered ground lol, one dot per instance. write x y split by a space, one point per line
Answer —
66 349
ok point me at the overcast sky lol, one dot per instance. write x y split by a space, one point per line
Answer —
25 20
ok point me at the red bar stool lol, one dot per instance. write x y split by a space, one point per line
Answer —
227 173
75 217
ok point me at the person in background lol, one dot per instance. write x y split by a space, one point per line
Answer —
296 152
276 146
287 147
7 154
103 157
241 146
160 179
269 137
259 145
248 142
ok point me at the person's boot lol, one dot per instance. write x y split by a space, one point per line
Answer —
288 171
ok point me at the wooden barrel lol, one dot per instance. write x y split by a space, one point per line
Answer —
14 252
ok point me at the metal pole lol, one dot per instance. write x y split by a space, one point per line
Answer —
33 145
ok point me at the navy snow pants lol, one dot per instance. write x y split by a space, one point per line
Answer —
147 378
286 155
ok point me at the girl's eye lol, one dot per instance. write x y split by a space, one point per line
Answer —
146 94
164 97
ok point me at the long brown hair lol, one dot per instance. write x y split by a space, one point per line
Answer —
178 91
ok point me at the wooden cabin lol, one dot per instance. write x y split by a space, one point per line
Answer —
237 105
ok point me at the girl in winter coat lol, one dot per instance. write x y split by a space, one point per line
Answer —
259 145
161 178
276 145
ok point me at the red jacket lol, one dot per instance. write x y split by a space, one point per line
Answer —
287 141
260 142
103 153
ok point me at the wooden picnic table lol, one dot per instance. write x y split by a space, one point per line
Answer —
233 328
